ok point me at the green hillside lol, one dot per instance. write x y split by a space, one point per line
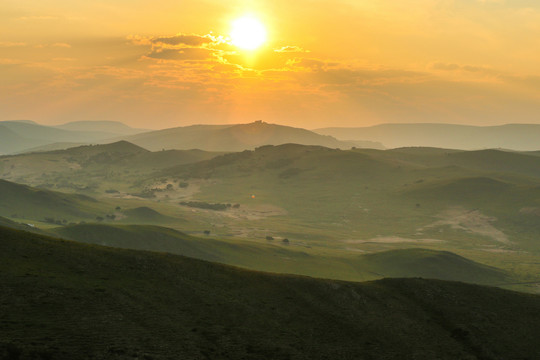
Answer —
140 237
499 161
51 147
94 169
89 302
376 192
482 205
21 201
147 215
284 259
432 264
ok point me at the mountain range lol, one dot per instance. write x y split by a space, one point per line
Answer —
28 136
522 137
237 137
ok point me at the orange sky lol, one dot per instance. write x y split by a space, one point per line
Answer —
326 63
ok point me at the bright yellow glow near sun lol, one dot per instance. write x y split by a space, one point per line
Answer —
248 33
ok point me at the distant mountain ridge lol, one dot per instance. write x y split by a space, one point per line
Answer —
25 135
522 137
112 127
28 136
236 137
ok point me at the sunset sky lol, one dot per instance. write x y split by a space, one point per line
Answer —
164 63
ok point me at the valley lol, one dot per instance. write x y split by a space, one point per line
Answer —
302 209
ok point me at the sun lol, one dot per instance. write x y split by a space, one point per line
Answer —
248 33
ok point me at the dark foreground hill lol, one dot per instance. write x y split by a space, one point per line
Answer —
63 300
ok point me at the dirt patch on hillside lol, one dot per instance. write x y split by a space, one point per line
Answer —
472 221
255 212
530 211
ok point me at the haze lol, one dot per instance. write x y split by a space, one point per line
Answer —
325 63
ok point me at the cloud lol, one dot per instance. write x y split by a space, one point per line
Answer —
40 17
61 45
178 40
181 39
291 49
468 71
11 44
181 54
7 61
56 45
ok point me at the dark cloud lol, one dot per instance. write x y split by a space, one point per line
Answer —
444 66
468 68
189 40
181 54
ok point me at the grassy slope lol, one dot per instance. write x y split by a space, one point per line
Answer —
32 203
62 300
94 168
369 189
147 215
330 196
283 259
441 265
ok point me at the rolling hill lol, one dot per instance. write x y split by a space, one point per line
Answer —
81 301
25 136
513 136
34 135
442 265
21 201
366 193
232 137
10 141
147 215
280 259
93 167
113 128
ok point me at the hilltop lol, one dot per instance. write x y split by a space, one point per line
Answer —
232 137
113 128
148 305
